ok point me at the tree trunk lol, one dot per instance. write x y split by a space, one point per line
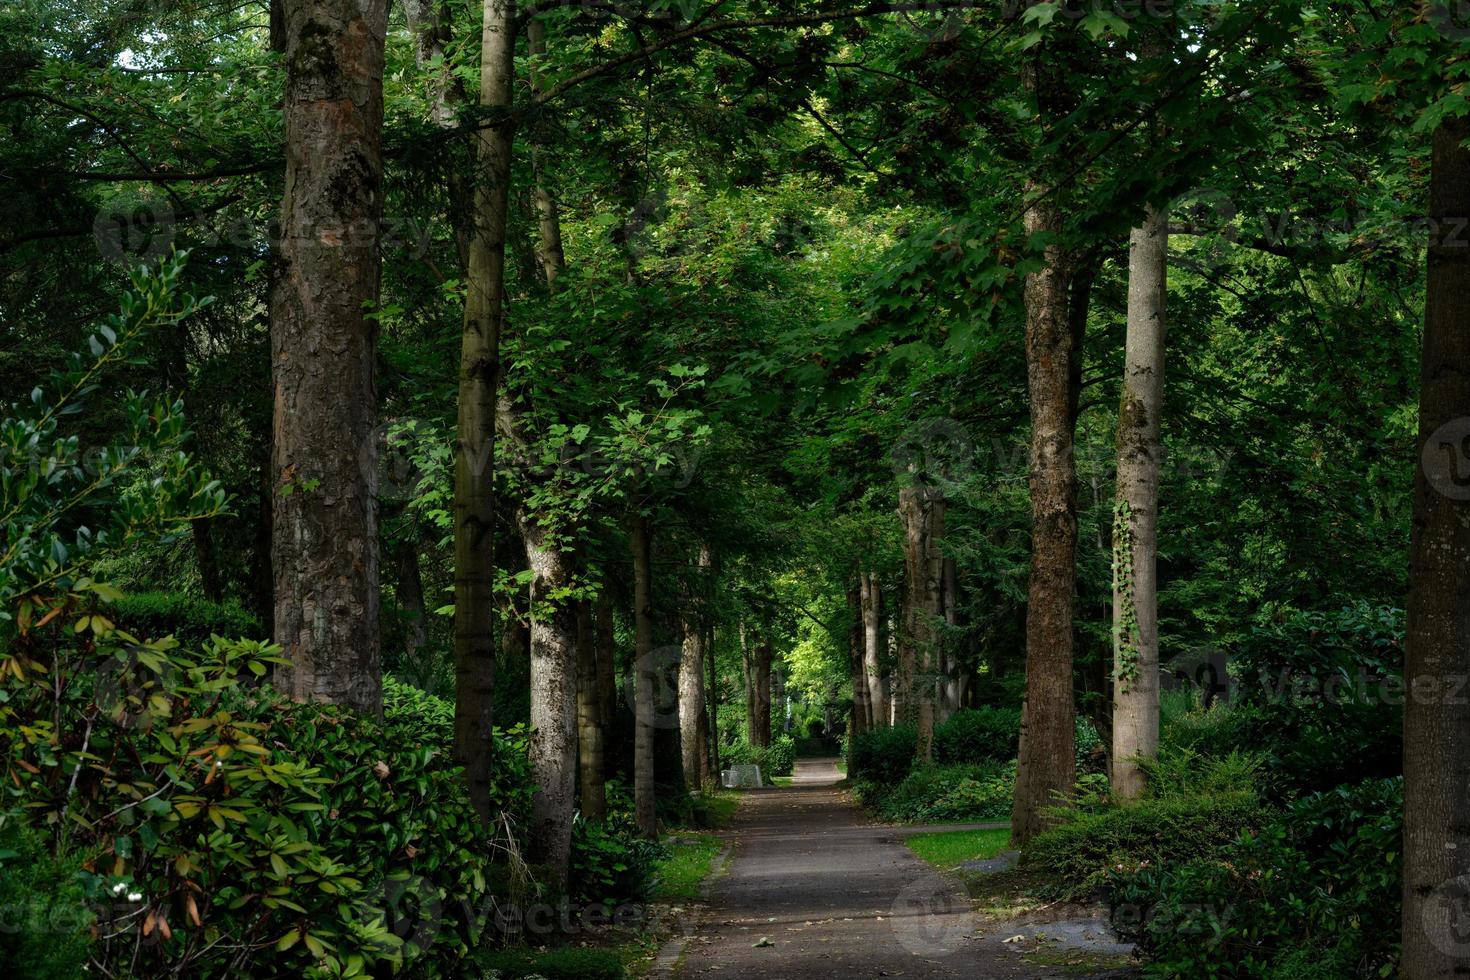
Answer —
954 677
474 454
714 706
693 722
747 674
411 599
208 561
1136 512
645 681
325 530
922 513
590 725
872 601
862 711
1047 764
1437 661
553 700
607 678
760 682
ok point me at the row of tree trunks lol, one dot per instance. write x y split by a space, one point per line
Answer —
1135 715
591 722
954 677
323 348
479 375
862 708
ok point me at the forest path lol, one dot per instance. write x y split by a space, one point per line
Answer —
813 889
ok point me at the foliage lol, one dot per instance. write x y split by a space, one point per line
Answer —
190 620
44 904
977 735
293 838
61 500
1309 895
882 755
945 794
1083 846
688 862
777 759
611 864
1324 694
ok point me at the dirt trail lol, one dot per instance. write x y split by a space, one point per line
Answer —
814 890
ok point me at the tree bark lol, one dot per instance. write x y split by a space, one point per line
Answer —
411 599
645 681
760 683
693 722
922 512
1047 763
872 600
954 677
714 705
1136 512
1437 661
553 700
590 722
208 561
862 712
607 678
479 372
324 460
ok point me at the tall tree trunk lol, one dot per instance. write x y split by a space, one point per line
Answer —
208 561
474 452
747 674
922 513
872 601
411 599
862 710
323 346
1047 762
1437 654
1136 511
607 677
553 700
776 696
760 683
955 678
590 724
714 705
693 722
645 680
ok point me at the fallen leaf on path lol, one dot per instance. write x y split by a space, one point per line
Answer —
762 943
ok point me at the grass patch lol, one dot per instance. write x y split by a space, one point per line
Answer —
783 780
950 850
689 863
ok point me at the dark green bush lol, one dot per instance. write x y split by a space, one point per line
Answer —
883 755
44 911
939 794
1082 849
555 964
977 735
611 864
191 621
1315 894
1321 696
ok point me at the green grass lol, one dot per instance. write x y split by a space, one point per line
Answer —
689 862
950 850
783 780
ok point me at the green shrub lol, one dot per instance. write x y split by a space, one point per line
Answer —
191 621
945 794
779 759
1307 896
1082 849
977 735
611 864
1185 724
1180 772
555 964
44 913
883 755
304 833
